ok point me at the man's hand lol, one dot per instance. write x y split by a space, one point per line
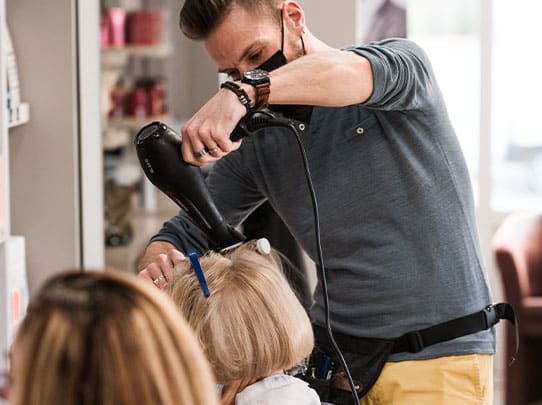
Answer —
206 136
158 262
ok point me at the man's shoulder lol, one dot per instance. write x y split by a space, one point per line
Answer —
399 44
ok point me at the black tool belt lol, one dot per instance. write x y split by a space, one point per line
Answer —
366 357
414 342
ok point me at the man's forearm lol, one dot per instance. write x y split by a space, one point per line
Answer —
329 78
153 250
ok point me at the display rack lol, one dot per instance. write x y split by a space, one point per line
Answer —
132 70
18 112
50 167
111 55
13 281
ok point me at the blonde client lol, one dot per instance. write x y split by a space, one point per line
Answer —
108 339
251 325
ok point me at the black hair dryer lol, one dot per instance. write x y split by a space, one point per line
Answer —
159 152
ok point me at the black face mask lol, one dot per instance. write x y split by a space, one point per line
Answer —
298 112
274 62
278 59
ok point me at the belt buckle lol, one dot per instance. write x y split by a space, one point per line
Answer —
415 342
490 316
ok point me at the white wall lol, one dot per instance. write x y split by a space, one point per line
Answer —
45 154
334 22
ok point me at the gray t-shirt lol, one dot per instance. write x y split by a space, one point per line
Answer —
397 220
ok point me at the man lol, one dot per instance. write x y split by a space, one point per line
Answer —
396 209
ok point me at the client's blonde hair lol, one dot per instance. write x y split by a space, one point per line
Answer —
106 338
252 323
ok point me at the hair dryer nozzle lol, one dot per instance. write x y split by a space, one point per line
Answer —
159 151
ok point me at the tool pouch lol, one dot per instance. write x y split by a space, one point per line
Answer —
365 358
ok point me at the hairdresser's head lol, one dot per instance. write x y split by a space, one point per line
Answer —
240 35
105 338
252 323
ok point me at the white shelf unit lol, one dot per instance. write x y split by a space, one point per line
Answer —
21 114
14 293
4 203
50 167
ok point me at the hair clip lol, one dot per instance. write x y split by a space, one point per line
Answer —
193 256
263 246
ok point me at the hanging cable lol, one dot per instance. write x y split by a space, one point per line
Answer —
327 318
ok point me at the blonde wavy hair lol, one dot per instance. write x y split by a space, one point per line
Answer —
252 323
106 338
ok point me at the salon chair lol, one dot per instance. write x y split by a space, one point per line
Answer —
517 246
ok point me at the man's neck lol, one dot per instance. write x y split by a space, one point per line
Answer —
313 44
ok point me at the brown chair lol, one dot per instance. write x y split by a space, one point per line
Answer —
517 246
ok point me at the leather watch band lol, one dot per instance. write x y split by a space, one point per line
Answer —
262 95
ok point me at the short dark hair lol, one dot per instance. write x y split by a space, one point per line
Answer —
199 18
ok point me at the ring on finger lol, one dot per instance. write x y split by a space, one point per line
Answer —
158 280
200 154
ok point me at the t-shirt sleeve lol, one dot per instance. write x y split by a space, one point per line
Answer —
403 78
181 232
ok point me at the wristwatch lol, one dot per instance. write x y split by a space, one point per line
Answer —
260 80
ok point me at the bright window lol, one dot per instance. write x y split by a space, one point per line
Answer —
517 110
449 33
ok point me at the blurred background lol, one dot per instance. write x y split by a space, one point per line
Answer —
79 78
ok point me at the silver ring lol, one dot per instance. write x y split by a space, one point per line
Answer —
158 280
201 153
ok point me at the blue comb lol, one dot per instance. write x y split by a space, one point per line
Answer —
193 256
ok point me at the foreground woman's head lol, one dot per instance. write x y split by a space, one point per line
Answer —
252 323
105 338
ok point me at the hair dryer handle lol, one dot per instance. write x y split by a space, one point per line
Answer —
259 119
239 132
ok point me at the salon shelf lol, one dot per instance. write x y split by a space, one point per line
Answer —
118 56
22 115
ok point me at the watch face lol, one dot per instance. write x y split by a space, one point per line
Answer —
256 75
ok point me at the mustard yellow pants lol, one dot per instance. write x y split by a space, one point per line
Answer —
452 380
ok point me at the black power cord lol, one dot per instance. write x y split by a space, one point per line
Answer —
327 318
260 119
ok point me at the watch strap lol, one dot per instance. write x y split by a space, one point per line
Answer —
239 92
262 95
